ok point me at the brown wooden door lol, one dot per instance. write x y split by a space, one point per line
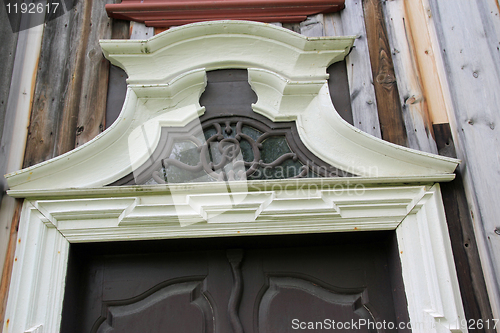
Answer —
245 284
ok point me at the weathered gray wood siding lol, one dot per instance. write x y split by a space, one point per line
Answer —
70 95
17 97
469 39
8 41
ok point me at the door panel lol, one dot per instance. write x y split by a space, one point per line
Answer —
162 308
288 302
243 284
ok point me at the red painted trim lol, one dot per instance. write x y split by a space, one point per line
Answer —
165 13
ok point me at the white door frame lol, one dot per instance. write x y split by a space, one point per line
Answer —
67 200
416 212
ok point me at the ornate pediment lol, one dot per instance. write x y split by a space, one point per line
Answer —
167 76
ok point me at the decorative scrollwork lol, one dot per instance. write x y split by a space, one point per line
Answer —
229 142
221 156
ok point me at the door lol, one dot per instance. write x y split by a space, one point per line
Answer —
269 284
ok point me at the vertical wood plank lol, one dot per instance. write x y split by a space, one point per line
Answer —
420 29
17 114
117 81
414 102
9 258
71 89
94 82
338 85
467 261
362 92
332 24
140 31
384 80
8 40
313 26
468 33
465 251
65 140
54 114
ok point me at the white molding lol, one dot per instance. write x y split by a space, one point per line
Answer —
225 44
263 185
416 212
196 212
167 75
428 268
38 277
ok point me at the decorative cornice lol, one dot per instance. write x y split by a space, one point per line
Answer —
287 208
254 185
166 13
167 75
226 44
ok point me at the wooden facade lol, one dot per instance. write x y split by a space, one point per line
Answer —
423 74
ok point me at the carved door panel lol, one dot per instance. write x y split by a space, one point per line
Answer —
244 284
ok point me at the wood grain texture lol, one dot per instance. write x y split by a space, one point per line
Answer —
384 80
419 26
463 241
120 29
468 33
8 40
467 261
9 259
414 101
67 130
338 82
71 85
94 83
350 22
18 76
54 91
